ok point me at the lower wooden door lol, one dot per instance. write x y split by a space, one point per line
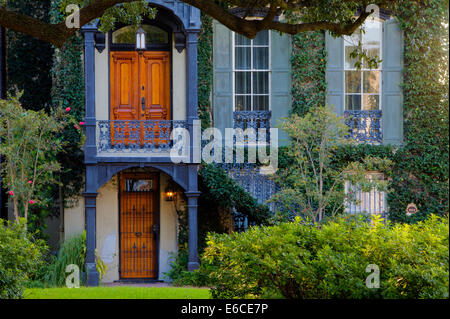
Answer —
138 225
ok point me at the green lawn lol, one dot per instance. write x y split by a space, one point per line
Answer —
117 293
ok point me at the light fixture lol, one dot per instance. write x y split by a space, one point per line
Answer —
140 39
170 193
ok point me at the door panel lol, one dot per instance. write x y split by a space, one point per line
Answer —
140 90
155 79
124 85
138 225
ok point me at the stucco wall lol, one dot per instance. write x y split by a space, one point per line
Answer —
108 228
168 229
74 219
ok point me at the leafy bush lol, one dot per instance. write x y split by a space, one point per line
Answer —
311 185
20 257
295 260
179 274
53 273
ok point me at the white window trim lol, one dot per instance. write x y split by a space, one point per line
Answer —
269 70
380 68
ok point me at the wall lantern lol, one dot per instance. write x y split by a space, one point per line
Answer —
170 193
140 39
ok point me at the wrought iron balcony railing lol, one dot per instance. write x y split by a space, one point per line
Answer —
136 135
364 126
253 120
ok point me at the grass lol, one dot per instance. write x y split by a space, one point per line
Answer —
117 293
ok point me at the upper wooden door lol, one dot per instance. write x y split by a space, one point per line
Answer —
140 85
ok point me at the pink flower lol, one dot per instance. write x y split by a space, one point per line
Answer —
30 182
81 123
11 193
31 202
67 109
76 126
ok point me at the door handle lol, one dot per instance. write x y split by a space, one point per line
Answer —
143 104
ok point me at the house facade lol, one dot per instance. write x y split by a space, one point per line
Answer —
139 97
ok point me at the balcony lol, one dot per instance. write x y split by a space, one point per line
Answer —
253 120
137 136
364 126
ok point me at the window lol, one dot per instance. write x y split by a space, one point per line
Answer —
363 87
127 35
373 202
252 72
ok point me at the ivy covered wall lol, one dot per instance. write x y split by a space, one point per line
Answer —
421 172
308 62
68 91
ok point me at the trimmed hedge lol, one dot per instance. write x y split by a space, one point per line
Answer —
298 261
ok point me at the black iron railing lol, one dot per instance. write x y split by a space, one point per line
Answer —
364 126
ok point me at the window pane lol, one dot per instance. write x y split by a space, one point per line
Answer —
261 82
371 81
353 102
352 81
371 102
138 185
349 62
241 40
261 58
261 103
353 39
127 35
262 38
243 103
372 52
155 35
243 61
372 34
243 82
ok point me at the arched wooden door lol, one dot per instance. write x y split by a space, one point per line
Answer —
138 225
140 90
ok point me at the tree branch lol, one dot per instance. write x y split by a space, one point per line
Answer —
57 34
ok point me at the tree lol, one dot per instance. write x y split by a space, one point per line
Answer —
337 16
310 185
29 146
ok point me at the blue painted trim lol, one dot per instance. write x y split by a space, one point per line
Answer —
189 16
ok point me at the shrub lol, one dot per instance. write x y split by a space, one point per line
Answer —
311 185
20 257
53 273
179 274
295 260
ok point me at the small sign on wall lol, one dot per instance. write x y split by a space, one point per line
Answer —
411 209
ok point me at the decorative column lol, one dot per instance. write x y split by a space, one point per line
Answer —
90 154
192 195
192 115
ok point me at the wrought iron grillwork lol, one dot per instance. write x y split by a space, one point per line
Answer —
137 135
260 186
364 125
253 120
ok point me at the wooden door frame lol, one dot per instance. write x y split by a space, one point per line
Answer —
158 220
